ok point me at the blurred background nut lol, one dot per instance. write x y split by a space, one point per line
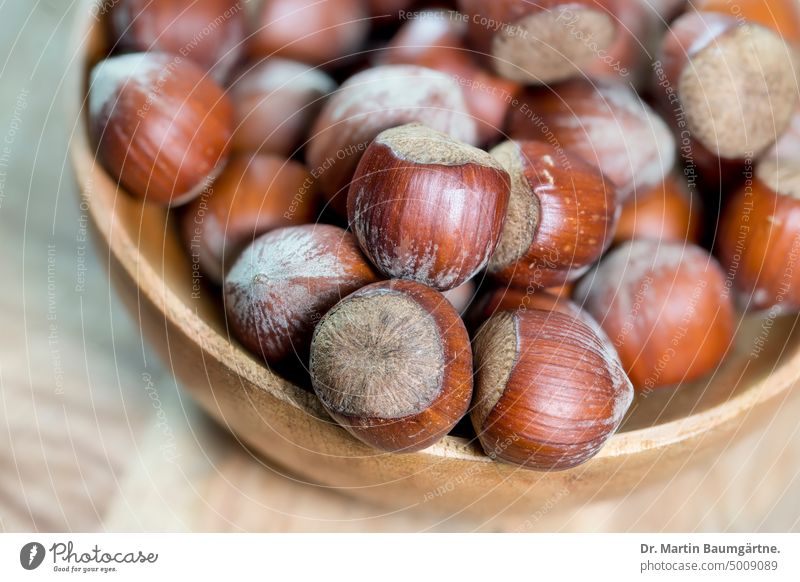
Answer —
253 195
210 32
162 127
275 103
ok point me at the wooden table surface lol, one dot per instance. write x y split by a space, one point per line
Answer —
94 435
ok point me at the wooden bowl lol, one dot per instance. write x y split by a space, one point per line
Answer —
285 423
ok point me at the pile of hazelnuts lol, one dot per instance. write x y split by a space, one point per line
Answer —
495 208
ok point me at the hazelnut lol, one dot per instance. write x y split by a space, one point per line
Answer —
392 364
377 99
732 80
316 32
539 42
285 281
759 238
210 33
666 308
669 211
253 195
433 39
427 207
161 126
605 123
274 105
562 214
549 391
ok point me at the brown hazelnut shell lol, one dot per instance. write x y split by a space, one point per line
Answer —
275 103
539 42
385 319
434 39
285 281
161 126
605 123
730 80
670 211
252 196
562 216
549 391
666 308
210 32
311 31
759 242
372 101
426 207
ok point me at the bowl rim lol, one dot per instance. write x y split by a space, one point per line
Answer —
90 175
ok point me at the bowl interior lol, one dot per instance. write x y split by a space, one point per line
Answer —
762 346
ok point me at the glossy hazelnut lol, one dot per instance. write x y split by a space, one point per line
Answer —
434 39
759 239
605 123
210 33
392 364
666 308
539 42
283 284
549 391
669 211
732 80
783 16
275 103
161 127
562 214
252 196
427 207
377 99
316 32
